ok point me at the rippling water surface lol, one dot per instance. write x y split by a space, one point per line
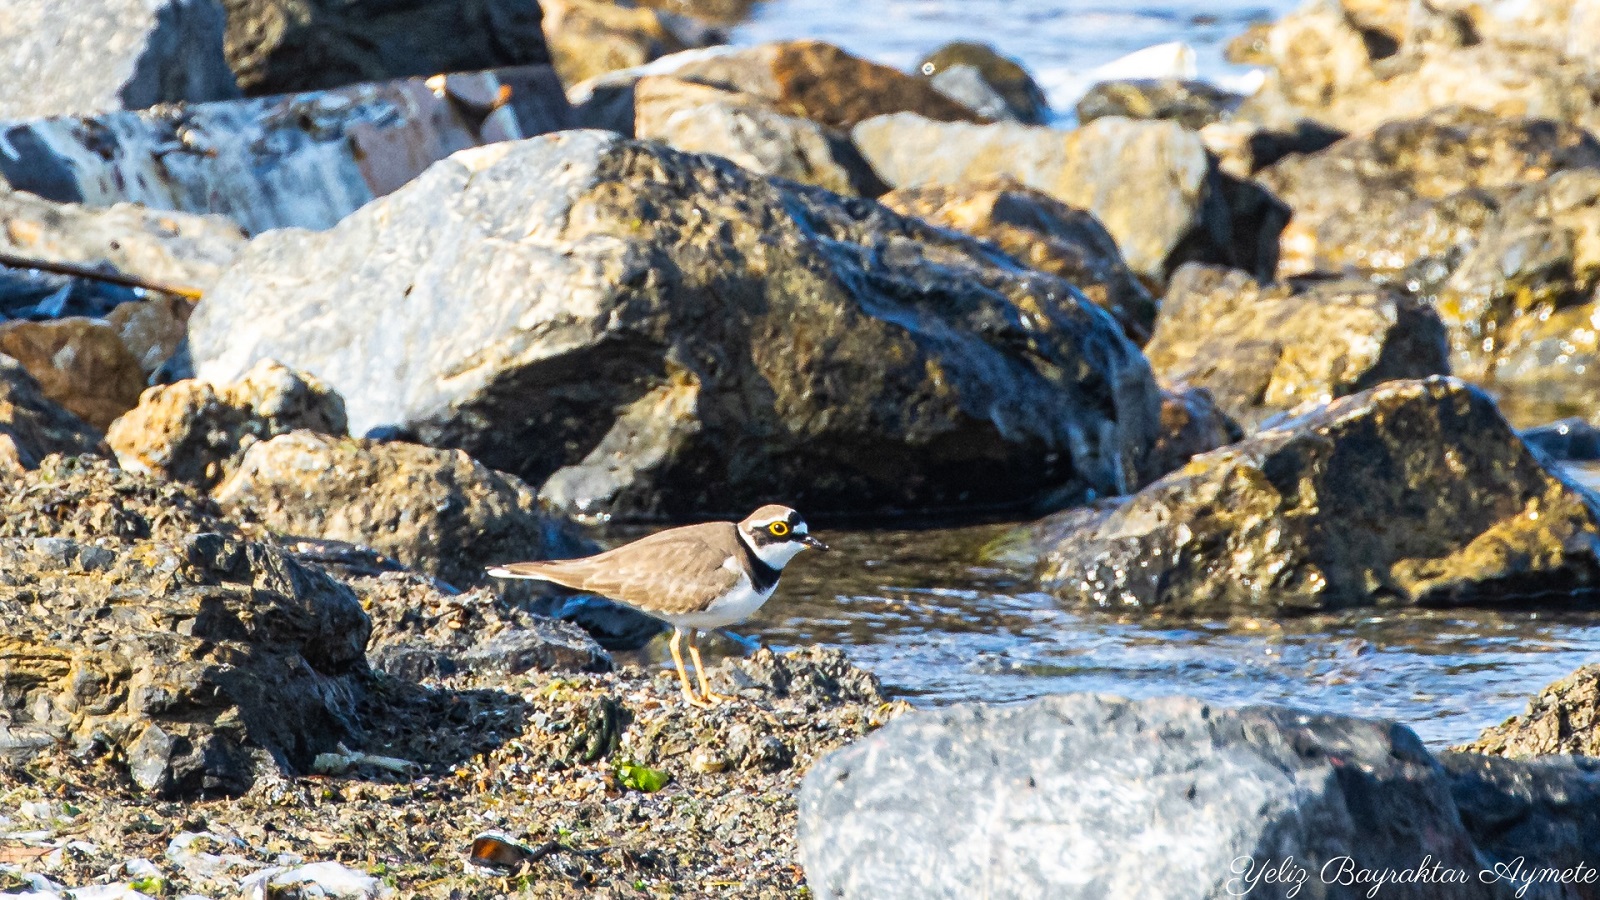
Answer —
937 629
1060 41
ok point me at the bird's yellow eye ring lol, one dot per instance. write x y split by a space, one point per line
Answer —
778 529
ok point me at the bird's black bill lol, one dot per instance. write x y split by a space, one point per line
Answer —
810 541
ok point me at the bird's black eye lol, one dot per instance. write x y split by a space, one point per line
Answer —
778 529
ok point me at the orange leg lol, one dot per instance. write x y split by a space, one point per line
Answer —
683 674
700 672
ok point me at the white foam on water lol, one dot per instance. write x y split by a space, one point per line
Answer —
1068 45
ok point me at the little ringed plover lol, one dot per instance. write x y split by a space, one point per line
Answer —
695 577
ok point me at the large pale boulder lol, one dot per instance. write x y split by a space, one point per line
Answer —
1092 796
97 56
1150 182
643 331
1413 493
1263 349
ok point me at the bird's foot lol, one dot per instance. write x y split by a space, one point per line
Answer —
693 699
715 697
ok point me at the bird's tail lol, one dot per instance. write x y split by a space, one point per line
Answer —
536 571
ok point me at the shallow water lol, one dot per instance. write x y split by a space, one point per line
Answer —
939 630
1060 41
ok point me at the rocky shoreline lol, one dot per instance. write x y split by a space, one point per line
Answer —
330 306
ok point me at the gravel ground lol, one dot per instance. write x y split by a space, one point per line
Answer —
561 765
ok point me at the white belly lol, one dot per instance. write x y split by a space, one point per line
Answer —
735 606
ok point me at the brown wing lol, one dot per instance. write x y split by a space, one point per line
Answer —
674 571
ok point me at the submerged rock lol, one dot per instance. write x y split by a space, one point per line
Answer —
1412 493
438 511
32 426
98 56
1263 349
80 363
940 802
953 68
303 160
195 432
1151 183
137 622
1564 717
287 46
1040 232
753 338
700 118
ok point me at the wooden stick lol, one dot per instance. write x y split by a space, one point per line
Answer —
77 271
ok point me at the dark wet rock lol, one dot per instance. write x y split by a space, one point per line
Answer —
1356 65
438 511
1412 493
1543 812
1192 104
32 426
138 622
1568 439
153 330
1191 424
1564 717
938 801
699 118
1264 349
588 38
1415 189
158 246
1040 232
80 363
103 55
960 68
302 160
285 46
756 339
195 432
1151 183
1244 148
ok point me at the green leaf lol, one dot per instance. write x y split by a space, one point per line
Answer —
640 778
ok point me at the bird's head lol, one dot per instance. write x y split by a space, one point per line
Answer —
777 533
